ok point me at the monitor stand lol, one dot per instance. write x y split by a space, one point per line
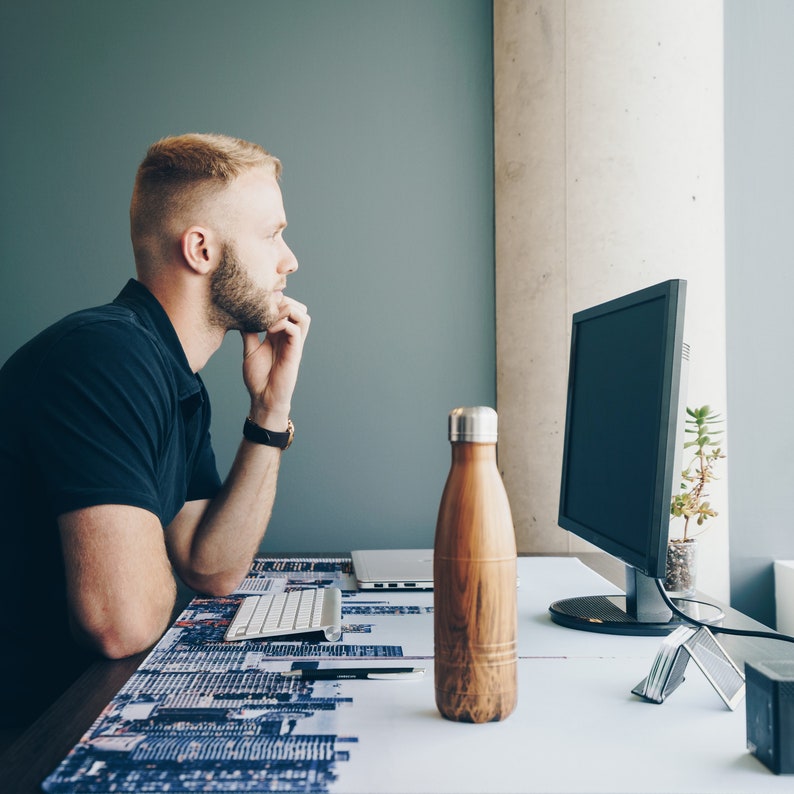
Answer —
642 611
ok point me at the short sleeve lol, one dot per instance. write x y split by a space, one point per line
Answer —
104 409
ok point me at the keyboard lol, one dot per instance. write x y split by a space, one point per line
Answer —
296 612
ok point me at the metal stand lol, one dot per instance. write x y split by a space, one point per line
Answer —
667 671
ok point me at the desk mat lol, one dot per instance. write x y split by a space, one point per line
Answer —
201 714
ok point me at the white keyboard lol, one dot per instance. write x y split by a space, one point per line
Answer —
296 612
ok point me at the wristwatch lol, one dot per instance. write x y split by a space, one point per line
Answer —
253 432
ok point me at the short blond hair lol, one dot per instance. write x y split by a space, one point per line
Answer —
179 171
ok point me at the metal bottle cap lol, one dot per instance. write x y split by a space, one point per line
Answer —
478 424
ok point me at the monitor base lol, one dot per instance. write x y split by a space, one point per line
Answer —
607 614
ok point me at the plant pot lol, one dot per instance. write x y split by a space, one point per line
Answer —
681 571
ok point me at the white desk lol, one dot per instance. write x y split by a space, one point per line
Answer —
577 727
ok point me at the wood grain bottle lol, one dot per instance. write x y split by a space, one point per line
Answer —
474 573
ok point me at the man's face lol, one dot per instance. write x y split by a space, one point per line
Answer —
247 286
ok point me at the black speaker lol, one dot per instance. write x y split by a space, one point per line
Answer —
770 713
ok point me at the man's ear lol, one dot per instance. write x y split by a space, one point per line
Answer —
199 249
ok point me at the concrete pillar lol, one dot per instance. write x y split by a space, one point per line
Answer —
609 178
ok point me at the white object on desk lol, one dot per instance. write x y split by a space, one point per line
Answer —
784 595
379 569
294 612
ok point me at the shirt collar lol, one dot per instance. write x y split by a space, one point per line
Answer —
153 317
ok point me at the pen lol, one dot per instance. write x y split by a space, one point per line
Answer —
341 673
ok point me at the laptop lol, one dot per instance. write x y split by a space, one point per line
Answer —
396 569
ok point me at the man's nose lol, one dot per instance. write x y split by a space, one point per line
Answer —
289 263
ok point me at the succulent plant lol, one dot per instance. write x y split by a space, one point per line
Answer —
692 500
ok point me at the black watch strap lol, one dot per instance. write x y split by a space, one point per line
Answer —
253 432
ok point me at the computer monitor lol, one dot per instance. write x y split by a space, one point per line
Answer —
622 453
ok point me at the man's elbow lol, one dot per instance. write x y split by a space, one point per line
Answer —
121 638
116 646
214 584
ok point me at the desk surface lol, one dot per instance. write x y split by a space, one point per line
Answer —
576 728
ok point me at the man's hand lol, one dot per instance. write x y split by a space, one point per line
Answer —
270 367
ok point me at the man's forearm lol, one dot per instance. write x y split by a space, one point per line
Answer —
212 550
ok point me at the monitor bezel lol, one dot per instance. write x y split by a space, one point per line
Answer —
650 561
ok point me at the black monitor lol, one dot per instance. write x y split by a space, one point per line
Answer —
622 453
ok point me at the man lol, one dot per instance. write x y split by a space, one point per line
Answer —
107 472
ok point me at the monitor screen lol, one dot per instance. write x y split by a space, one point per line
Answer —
622 450
621 421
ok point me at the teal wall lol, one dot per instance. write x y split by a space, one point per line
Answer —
759 207
382 114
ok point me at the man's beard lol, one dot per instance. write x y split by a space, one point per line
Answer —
237 303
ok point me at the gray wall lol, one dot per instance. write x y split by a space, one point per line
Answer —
759 170
382 114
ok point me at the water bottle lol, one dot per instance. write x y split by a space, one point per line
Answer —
474 575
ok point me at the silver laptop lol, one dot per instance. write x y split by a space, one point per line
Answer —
396 569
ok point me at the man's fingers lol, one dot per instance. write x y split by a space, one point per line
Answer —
293 314
290 303
251 343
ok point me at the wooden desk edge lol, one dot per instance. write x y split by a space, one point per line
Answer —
37 751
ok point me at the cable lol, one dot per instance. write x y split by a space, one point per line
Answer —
768 635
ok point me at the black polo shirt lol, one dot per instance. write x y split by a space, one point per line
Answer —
100 408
